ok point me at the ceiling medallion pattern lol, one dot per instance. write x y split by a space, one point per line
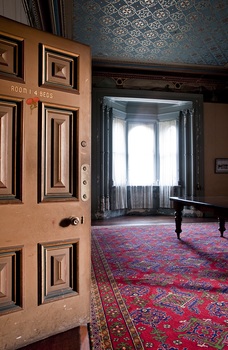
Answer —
154 31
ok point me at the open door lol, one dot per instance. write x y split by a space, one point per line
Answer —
45 218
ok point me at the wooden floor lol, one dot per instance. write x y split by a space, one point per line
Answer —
146 220
73 339
78 338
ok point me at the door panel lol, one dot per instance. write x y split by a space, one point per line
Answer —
59 161
10 150
44 184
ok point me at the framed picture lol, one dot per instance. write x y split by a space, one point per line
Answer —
221 165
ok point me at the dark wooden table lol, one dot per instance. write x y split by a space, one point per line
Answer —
218 206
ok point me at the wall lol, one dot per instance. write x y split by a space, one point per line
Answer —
215 146
13 9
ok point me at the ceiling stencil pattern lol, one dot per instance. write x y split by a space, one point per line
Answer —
191 32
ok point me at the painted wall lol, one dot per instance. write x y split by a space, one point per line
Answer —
215 146
13 9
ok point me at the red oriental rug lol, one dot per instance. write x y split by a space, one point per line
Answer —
153 291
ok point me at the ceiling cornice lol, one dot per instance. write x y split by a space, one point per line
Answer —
209 76
52 16
207 71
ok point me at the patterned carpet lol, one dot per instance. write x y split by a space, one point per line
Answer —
153 291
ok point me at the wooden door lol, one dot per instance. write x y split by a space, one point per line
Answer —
44 184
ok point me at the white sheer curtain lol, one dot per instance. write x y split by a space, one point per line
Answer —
119 172
144 163
141 164
168 155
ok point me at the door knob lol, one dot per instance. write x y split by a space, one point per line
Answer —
74 220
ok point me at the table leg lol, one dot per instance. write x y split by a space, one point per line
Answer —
222 227
178 220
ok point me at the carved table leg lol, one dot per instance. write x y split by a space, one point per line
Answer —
178 220
221 225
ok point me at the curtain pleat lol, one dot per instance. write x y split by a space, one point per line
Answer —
141 197
119 172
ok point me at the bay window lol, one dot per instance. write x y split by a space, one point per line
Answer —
145 150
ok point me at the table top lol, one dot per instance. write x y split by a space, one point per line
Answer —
215 201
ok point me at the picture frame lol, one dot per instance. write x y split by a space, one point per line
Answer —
221 165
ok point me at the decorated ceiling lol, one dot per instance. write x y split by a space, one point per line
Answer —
189 32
